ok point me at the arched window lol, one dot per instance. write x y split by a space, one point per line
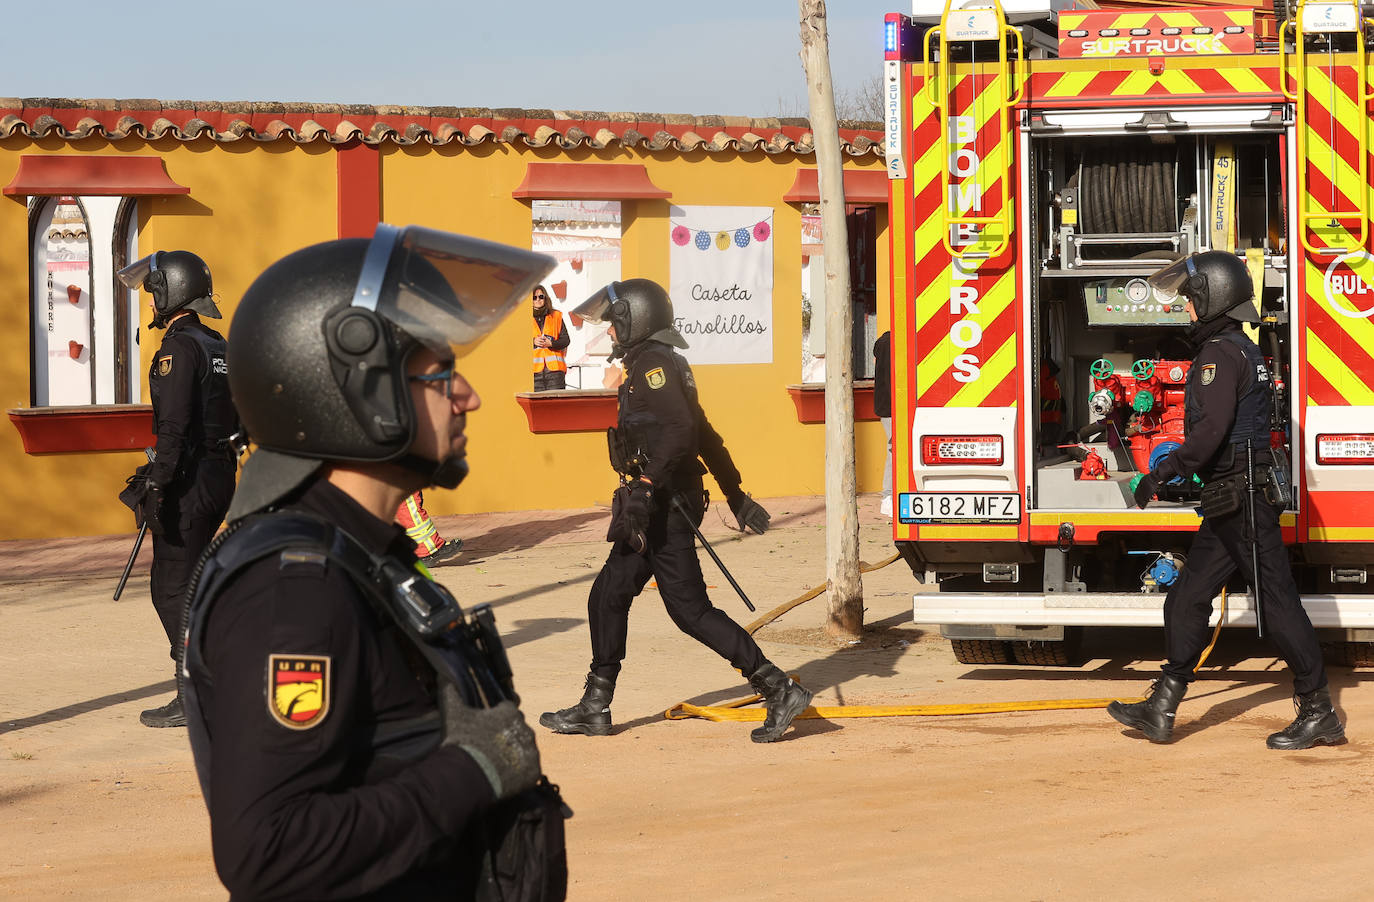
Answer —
84 332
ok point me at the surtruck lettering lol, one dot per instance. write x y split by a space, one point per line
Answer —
965 197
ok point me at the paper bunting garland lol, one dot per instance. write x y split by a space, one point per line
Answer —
722 239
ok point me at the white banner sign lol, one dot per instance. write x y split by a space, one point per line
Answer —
721 262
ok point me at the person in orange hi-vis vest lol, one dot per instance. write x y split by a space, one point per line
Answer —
550 343
430 547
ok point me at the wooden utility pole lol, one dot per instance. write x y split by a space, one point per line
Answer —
845 610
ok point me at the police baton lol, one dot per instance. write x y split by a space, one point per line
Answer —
133 556
1251 490
151 454
676 501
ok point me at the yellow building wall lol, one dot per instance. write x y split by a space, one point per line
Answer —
251 203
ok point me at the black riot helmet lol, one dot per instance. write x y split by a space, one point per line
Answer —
638 309
318 348
1216 282
176 280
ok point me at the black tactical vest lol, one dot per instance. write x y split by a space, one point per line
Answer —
216 419
1252 407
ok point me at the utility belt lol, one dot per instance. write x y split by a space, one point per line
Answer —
1227 495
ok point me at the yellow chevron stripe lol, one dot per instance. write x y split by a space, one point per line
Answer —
1244 81
1071 84
1360 329
1352 388
994 372
1174 81
934 363
1321 92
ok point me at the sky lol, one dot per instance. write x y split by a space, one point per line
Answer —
702 57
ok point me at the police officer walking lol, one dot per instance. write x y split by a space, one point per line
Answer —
661 439
191 479
336 761
1227 405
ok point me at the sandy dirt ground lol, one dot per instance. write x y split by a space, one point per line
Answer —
1024 806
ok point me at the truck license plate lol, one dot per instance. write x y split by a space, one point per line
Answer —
958 507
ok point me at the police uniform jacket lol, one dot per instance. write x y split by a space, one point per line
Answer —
326 778
193 415
1227 402
660 413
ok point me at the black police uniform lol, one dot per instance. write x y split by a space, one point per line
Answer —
193 416
659 412
349 794
1227 401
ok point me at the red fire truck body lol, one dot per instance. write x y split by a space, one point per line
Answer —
1043 162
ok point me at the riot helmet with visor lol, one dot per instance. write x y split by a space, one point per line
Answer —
1216 282
177 280
638 309
322 339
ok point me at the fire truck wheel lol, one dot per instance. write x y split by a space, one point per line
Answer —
1349 654
1036 653
981 651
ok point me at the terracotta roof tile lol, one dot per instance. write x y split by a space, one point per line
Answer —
304 123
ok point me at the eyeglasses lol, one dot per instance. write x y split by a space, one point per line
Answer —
445 377
541 297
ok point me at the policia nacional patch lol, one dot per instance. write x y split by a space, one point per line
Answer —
298 690
1209 373
164 365
655 378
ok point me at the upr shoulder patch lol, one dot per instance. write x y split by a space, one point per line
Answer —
298 689
1209 373
656 378
164 365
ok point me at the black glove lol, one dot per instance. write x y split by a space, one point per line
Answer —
152 508
639 506
1145 489
498 739
749 513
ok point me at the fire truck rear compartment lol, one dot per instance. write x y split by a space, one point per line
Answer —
1106 211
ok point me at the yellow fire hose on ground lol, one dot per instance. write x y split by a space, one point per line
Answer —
737 711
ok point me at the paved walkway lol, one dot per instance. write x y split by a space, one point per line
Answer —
492 533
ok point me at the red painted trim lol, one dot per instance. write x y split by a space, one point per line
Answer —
588 181
49 176
359 190
867 186
585 410
810 401
61 430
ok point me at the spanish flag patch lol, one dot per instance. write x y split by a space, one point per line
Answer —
655 378
298 689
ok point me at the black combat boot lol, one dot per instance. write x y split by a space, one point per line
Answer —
1155 716
783 698
591 716
1316 724
171 714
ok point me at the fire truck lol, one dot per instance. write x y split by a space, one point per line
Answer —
1044 161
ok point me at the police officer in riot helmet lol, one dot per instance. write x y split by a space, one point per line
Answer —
658 447
186 488
1227 407
335 761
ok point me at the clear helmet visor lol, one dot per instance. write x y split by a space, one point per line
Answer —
1168 282
597 308
445 290
136 273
